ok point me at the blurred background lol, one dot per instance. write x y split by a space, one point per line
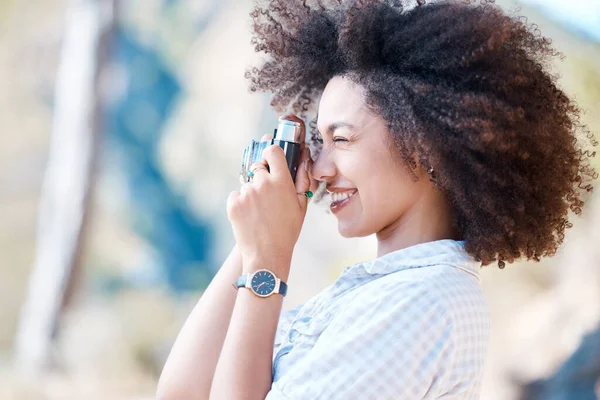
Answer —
123 127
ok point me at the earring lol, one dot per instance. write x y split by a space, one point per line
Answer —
432 178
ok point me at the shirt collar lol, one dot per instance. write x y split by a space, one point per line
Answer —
445 251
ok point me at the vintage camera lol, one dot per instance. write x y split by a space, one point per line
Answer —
287 136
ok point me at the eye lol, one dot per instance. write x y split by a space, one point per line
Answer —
339 139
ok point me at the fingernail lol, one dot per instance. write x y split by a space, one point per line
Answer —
306 165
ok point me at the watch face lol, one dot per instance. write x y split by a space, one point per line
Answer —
263 283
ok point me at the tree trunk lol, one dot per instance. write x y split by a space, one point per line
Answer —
68 180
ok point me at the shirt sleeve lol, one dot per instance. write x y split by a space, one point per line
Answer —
285 319
393 342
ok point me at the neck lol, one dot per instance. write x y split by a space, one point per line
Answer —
427 220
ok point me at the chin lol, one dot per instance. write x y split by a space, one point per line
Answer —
346 233
350 230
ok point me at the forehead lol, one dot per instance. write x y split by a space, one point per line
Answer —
342 100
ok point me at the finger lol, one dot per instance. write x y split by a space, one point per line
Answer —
245 187
306 183
275 159
303 188
266 137
232 201
314 183
301 159
259 169
302 178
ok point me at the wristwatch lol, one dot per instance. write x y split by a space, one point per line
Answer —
262 283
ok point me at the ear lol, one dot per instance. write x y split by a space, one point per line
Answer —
419 168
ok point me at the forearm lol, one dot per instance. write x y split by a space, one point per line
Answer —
245 366
190 367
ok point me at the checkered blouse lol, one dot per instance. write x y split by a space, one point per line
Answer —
411 324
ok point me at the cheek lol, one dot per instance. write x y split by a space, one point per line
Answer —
375 179
382 192
353 170
385 192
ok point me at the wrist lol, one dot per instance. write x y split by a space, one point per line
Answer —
233 262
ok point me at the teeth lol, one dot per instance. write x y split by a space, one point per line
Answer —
339 196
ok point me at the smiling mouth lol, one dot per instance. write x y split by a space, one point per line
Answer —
338 197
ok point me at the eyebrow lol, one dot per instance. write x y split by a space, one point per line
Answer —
332 127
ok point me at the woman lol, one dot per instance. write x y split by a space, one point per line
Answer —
440 130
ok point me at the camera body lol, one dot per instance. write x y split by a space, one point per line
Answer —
287 135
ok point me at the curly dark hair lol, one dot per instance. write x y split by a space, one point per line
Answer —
462 85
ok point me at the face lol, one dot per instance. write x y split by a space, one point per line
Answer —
358 158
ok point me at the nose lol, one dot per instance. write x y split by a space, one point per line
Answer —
323 168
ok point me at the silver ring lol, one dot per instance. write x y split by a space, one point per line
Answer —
253 171
256 168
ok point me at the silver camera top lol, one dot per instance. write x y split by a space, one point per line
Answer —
289 131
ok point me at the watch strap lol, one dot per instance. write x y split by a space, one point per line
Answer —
241 281
282 287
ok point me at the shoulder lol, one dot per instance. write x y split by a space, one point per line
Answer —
442 297
399 303
446 285
461 294
441 284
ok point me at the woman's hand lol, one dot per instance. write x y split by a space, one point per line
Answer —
267 213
